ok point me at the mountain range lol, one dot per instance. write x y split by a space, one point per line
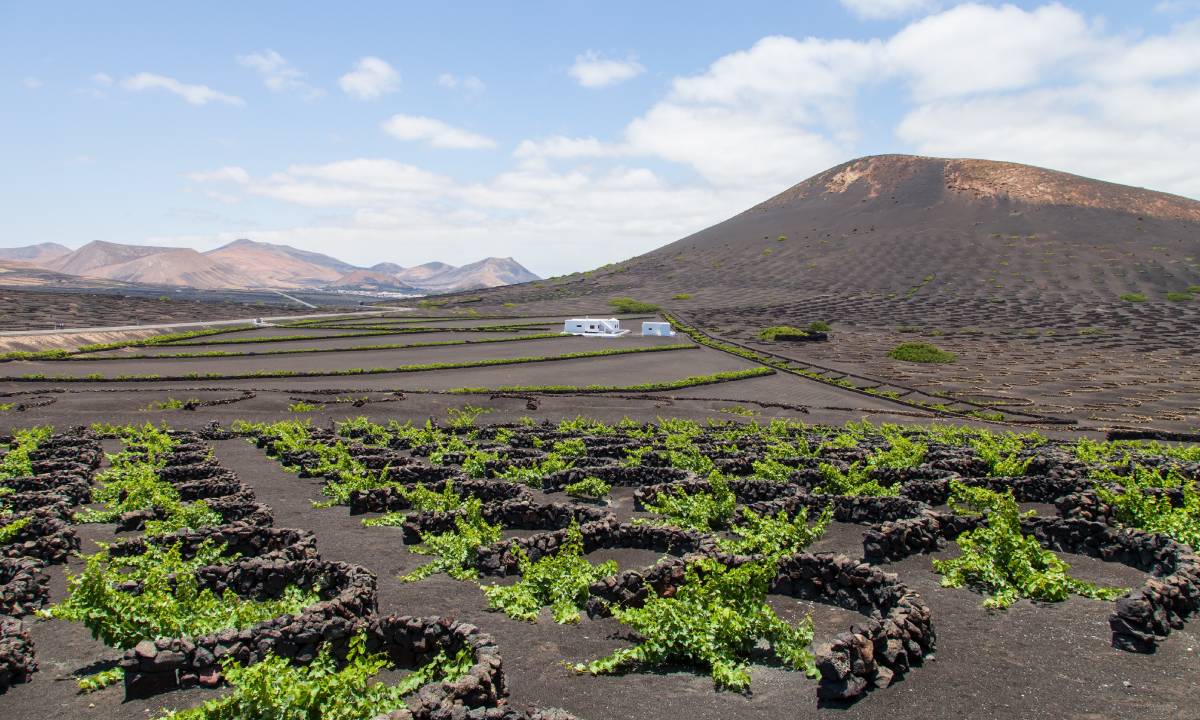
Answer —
248 264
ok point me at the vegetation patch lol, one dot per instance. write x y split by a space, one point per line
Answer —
559 581
777 333
714 621
589 488
455 550
277 689
999 560
629 305
169 601
921 353
1134 297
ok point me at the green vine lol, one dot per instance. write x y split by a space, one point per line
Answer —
999 560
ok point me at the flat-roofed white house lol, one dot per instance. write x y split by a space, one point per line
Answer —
662 329
594 327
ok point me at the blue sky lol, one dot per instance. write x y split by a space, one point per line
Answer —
565 134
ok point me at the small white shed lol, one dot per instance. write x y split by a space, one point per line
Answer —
593 327
658 328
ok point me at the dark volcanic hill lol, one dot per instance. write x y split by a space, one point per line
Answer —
1072 295
909 226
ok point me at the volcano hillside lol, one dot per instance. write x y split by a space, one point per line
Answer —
1075 297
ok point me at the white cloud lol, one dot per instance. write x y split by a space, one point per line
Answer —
592 70
1126 111
278 74
31 83
192 94
102 79
1050 88
763 117
435 132
468 84
976 49
371 78
378 209
887 9
560 147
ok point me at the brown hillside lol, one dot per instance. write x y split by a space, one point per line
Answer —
1024 272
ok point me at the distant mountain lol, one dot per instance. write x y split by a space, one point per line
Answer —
249 264
35 254
421 273
180 266
373 280
438 277
90 259
487 273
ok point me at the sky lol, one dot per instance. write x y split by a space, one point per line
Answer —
564 134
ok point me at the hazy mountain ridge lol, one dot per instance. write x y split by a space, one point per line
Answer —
249 264
34 254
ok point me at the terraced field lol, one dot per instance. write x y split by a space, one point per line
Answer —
530 525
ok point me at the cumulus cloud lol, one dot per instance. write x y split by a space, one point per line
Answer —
979 49
435 132
593 70
278 74
371 78
192 94
887 9
561 147
1124 112
970 83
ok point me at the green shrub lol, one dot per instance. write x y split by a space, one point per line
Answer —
559 581
1135 507
589 488
456 549
703 511
170 603
921 353
782 332
629 305
1180 296
304 407
854 480
777 535
819 326
16 462
715 620
1134 297
324 689
681 296
999 560
9 531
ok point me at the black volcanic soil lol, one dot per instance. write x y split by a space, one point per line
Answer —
1033 661
39 310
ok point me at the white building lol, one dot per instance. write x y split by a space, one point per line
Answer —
593 327
658 328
